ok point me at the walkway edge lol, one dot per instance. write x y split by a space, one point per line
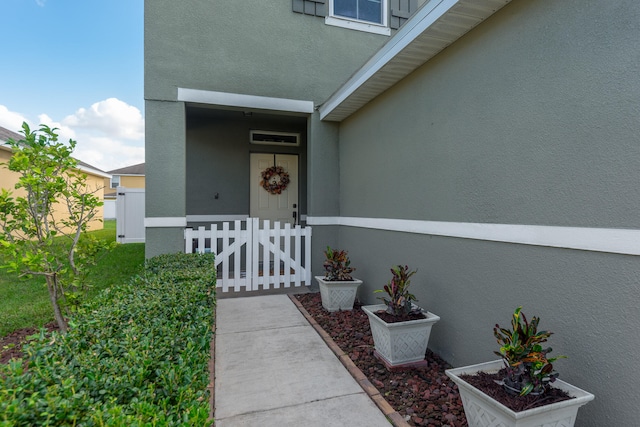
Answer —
212 372
392 415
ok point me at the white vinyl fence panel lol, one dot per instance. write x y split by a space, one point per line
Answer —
109 209
130 215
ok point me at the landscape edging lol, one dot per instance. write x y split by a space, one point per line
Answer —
394 417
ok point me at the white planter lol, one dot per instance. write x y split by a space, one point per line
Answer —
483 411
338 295
402 342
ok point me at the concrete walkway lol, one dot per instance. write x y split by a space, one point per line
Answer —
273 369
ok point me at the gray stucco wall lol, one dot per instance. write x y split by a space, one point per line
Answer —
165 149
531 118
511 124
252 47
324 172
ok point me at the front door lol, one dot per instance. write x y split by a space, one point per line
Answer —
268 203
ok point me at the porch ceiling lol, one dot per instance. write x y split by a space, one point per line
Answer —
435 26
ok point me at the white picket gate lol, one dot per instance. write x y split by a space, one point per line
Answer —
255 258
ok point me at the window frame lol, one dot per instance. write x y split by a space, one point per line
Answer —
360 25
295 136
112 181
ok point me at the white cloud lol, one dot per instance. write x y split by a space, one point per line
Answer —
113 117
12 120
65 133
41 3
109 134
107 153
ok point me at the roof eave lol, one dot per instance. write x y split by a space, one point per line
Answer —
93 171
436 25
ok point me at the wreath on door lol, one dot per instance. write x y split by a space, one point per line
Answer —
275 179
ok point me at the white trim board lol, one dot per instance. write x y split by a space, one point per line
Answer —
610 240
162 222
424 18
94 171
351 24
239 100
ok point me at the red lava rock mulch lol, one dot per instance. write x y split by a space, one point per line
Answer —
423 396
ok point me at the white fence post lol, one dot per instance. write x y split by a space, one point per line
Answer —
307 255
287 250
188 240
255 245
264 240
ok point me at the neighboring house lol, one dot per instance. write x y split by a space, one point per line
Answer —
128 177
8 179
492 145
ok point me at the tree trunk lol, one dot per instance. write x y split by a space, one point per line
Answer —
53 297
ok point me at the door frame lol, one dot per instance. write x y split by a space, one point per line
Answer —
253 186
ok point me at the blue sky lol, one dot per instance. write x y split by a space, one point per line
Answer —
76 65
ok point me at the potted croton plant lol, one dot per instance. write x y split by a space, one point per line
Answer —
521 389
400 328
337 287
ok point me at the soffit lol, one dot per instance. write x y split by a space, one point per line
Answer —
436 25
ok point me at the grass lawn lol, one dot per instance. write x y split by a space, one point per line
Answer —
25 302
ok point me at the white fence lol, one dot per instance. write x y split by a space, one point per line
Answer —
109 209
255 258
130 215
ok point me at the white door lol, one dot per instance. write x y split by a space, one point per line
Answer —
281 207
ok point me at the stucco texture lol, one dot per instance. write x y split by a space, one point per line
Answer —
531 118
166 159
249 47
252 47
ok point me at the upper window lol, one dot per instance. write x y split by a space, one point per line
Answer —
362 10
115 181
363 15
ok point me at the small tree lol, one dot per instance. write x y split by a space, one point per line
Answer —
43 226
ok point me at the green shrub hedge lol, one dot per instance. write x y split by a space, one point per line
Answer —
137 355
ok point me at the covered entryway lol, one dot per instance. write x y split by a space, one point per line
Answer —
255 229
227 150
